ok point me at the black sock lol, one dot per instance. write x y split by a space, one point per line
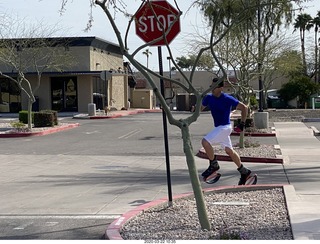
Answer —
243 170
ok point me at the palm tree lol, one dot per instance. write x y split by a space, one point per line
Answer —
147 53
316 22
303 22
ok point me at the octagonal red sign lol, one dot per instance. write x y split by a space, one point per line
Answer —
154 18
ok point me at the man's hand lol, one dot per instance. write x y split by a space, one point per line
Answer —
240 127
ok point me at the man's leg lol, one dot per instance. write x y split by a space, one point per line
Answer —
244 172
234 156
213 163
208 149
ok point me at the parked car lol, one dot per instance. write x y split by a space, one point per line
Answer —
274 100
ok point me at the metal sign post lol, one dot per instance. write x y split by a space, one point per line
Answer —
148 29
165 130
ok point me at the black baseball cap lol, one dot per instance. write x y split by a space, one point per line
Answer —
215 80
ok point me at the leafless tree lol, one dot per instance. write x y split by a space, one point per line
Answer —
29 48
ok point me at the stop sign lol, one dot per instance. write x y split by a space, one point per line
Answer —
154 18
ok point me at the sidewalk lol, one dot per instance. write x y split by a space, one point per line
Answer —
301 154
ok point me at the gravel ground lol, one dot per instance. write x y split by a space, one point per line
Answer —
246 215
259 151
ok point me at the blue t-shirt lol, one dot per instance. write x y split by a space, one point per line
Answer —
220 107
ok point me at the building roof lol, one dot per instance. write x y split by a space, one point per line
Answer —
73 42
94 42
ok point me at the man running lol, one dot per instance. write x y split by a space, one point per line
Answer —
220 105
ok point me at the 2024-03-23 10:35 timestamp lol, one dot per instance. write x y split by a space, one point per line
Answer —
159 241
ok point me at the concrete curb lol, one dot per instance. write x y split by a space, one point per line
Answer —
114 229
315 131
257 134
40 133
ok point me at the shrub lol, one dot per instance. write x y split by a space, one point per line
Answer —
301 87
19 126
253 103
43 119
23 116
55 115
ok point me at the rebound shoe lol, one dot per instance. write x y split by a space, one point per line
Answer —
248 179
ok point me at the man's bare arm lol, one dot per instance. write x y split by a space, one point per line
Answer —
244 111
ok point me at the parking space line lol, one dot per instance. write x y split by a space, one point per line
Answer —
131 133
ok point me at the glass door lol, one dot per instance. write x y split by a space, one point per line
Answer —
70 91
64 94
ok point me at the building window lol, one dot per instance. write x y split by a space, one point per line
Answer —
10 96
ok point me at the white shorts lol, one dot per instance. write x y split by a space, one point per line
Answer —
220 135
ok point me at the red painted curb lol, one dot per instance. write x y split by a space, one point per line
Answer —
254 134
113 230
203 155
153 110
40 133
106 116
126 113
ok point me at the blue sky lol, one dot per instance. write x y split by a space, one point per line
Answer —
74 20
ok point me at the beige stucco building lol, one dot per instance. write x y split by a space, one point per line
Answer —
97 75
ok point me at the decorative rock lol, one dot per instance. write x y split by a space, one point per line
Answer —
265 218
